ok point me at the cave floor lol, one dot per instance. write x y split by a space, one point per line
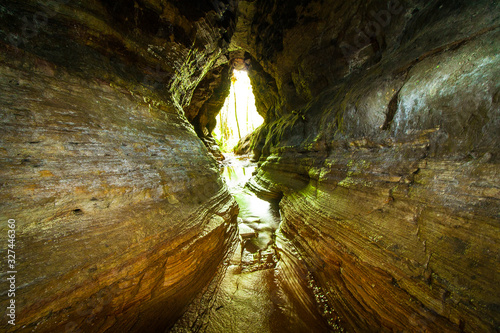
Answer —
250 299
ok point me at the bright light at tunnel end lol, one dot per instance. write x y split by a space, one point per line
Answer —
226 131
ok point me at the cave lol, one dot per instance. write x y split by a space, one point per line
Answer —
238 118
367 201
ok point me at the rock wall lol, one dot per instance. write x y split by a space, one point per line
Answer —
208 99
381 138
122 218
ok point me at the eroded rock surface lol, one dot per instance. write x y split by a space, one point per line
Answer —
122 219
385 154
380 141
266 287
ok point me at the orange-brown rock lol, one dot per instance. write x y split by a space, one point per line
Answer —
121 216
380 140
394 246
383 148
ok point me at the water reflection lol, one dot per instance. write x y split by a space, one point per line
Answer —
259 215
254 297
236 173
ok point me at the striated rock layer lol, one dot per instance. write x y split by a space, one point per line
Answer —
380 139
394 245
383 147
122 218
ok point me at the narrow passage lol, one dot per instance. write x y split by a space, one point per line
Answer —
250 297
251 300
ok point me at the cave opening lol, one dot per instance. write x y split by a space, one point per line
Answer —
367 201
238 116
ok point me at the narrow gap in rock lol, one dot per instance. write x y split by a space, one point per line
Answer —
238 118
250 287
380 149
391 111
253 286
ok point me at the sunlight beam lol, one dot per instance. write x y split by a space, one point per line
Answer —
226 131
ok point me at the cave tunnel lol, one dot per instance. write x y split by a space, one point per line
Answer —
238 117
368 200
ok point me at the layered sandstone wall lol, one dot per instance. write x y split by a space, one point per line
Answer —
383 147
122 218
381 140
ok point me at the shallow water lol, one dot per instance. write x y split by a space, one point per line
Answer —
249 297
252 296
260 215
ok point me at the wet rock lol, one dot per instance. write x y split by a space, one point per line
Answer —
246 232
374 142
380 141
119 207
251 220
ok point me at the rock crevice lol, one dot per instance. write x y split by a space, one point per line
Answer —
386 168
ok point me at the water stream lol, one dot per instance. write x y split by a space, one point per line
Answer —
250 297
266 287
258 219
